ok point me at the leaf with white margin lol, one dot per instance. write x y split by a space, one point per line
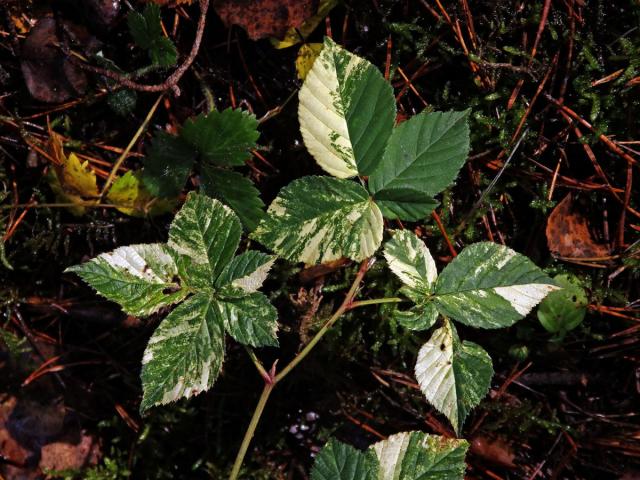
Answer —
247 271
454 376
185 354
203 238
346 112
403 456
420 456
490 286
410 260
317 219
140 278
339 461
249 318
422 158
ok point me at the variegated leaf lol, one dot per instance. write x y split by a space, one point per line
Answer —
490 286
247 271
249 318
185 354
317 219
403 456
410 260
421 317
420 456
346 112
203 238
140 278
454 376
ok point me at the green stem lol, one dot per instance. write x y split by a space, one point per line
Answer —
376 301
257 413
270 385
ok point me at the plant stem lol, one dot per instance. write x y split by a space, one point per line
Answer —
347 303
375 301
266 391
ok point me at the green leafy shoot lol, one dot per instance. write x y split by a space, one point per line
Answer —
146 31
212 143
403 456
217 292
347 114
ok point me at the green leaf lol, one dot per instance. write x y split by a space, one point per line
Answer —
249 318
421 317
339 461
140 278
406 204
223 138
403 456
146 31
454 376
422 158
203 238
410 260
185 354
563 310
346 112
317 219
246 271
235 190
167 165
490 286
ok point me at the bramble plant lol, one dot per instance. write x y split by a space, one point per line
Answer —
347 116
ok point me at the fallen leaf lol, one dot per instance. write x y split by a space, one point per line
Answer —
71 180
133 199
49 75
569 235
265 18
306 56
297 35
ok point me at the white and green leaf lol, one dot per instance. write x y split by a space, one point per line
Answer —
318 219
140 278
185 354
203 238
410 260
421 316
490 286
403 456
454 376
247 271
346 112
422 158
249 318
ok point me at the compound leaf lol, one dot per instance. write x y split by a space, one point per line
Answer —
235 190
223 138
137 277
490 286
454 376
249 318
423 156
410 260
318 219
346 112
203 238
185 354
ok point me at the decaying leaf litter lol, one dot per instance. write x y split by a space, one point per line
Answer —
548 71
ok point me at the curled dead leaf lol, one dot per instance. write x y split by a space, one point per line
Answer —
569 235
265 18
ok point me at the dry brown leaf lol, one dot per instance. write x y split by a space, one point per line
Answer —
494 450
265 18
569 235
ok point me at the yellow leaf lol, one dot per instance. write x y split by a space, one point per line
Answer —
294 36
306 56
132 198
